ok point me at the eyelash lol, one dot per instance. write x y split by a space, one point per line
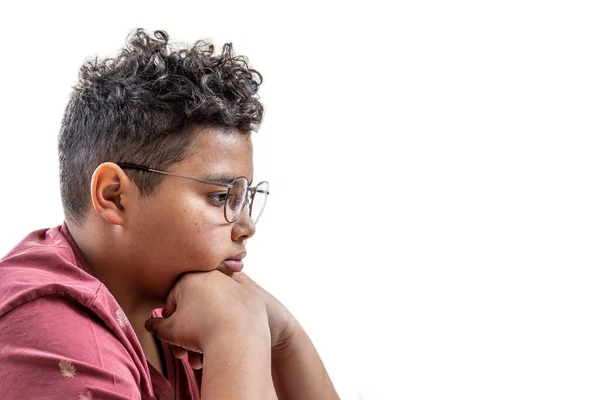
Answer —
218 198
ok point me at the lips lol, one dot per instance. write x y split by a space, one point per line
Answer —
235 263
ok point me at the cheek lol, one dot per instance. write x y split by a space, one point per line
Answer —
185 233
205 235
208 242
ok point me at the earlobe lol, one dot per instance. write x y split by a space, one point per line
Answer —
109 191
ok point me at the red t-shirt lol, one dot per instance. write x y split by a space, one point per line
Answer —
64 336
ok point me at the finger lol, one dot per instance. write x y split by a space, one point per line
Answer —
161 328
178 352
170 307
195 359
242 278
245 280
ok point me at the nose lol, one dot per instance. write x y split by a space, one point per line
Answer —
244 228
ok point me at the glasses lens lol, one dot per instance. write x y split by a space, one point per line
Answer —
236 199
259 201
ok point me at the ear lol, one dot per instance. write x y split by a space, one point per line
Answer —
111 190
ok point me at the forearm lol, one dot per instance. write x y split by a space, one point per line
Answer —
237 368
299 373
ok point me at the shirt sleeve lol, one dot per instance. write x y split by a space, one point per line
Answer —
54 348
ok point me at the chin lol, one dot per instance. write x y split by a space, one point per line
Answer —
226 271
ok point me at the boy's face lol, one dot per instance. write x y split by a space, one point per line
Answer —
179 228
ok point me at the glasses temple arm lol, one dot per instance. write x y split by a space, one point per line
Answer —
142 168
133 166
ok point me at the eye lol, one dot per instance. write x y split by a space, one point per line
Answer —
218 198
235 202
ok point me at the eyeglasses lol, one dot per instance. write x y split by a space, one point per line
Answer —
235 199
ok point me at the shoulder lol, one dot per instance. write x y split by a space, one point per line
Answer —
58 324
61 330
53 345
44 264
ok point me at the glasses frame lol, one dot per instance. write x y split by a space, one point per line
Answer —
250 191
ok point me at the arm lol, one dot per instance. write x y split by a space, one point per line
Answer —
53 348
209 312
299 373
237 366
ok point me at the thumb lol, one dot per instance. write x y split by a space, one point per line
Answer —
160 327
170 307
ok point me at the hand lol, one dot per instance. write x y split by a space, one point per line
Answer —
204 306
282 323
296 368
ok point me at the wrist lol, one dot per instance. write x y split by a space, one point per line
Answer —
254 335
252 327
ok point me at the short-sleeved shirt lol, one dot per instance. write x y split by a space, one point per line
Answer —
64 336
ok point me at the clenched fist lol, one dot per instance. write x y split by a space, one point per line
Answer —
204 306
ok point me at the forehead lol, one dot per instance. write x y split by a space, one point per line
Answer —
220 152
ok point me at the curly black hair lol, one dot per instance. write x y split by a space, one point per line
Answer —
139 107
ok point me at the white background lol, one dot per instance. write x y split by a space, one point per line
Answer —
434 220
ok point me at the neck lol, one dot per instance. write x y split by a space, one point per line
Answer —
102 256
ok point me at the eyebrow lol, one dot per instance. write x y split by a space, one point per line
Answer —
222 178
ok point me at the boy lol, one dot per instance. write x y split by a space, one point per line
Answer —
157 186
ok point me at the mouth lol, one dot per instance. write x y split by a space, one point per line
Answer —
235 263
